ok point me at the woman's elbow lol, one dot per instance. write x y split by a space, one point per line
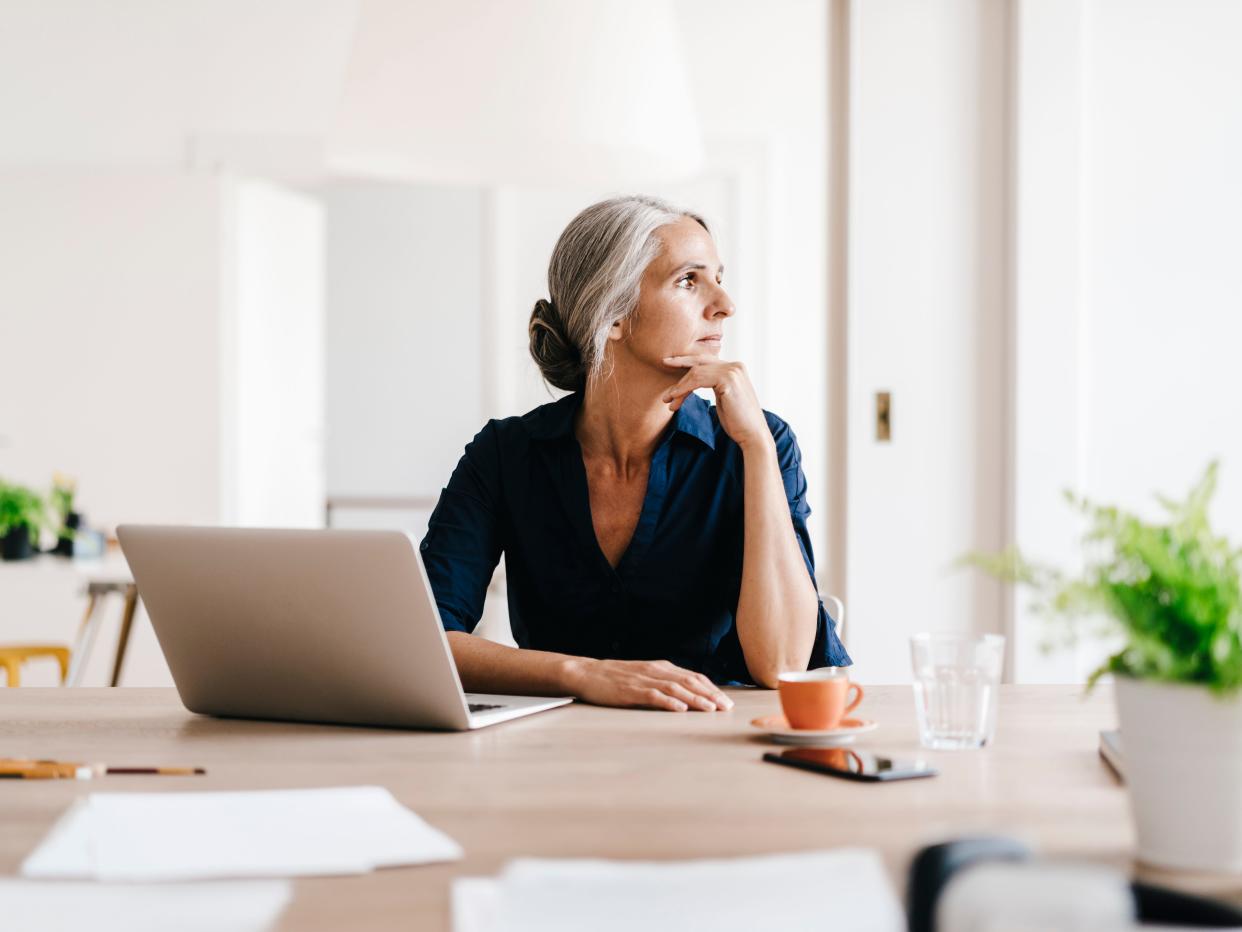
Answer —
766 672
768 675
768 679
785 652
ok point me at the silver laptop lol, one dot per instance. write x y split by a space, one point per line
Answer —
310 626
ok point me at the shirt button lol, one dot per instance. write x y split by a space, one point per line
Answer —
422 546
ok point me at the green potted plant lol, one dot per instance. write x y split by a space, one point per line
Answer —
23 515
1172 590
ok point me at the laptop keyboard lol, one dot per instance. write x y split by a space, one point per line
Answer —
483 706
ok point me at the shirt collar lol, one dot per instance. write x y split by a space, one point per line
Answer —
694 418
556 419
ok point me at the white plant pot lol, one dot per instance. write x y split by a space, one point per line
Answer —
1182 747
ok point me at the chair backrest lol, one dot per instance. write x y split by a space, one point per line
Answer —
13 658
836 609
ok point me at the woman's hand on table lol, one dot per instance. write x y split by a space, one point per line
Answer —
647 684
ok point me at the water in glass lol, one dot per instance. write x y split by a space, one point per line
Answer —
955 688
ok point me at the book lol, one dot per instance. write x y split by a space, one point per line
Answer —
1110 750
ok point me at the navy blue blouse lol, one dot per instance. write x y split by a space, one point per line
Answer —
521 490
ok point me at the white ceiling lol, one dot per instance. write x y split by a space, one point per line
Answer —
430 90
146 82
530 91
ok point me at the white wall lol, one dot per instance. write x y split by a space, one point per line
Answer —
149 301
1043 239
1128 289
927 299
272 366
109 295
167 85
119 291
404 364
1163 183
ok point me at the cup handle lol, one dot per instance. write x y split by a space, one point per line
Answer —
857 699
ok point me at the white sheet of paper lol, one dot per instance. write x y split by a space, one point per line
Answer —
264 833
475 903
842 889
239 906
65 851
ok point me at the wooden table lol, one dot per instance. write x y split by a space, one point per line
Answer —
584 781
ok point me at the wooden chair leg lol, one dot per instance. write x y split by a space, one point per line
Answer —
127 622
83 643
62 661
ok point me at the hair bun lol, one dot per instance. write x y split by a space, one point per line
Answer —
554 353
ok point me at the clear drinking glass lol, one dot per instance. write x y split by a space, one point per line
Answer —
956 677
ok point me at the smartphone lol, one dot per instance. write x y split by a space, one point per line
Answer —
852 765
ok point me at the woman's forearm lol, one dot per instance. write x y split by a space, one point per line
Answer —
487 667
777 609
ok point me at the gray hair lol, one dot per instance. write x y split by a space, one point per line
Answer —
593 282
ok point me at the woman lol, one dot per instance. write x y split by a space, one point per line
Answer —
655 545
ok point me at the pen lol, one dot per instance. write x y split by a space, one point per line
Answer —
6 762
44 770
50 769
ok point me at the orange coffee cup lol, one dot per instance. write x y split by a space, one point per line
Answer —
816 699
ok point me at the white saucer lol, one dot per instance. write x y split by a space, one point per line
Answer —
776 728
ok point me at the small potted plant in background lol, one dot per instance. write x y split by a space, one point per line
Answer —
1172 591
23 516
61 499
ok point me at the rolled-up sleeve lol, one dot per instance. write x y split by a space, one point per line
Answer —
828 650
463 541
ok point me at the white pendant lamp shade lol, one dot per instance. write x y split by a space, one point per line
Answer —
517 91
